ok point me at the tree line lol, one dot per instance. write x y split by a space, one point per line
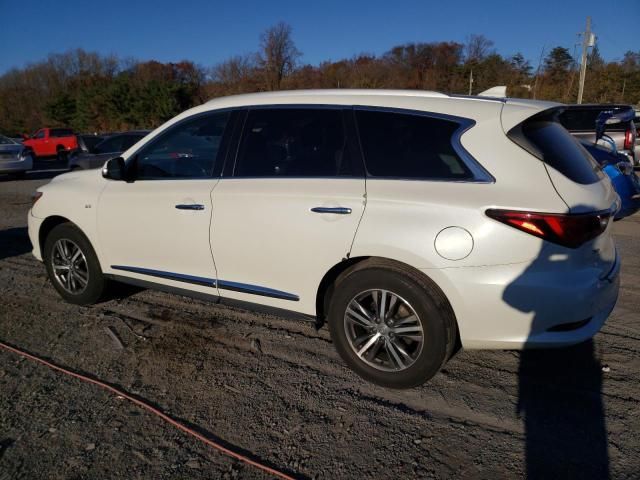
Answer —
98 93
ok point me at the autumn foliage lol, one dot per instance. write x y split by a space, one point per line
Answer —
95 93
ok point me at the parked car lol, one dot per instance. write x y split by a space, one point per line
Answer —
16 137
14 159
48 142
400 218
86 143
580 120
110 147
622 175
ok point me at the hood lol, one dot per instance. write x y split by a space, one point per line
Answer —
76 176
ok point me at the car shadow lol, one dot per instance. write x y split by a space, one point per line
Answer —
559 390
14 242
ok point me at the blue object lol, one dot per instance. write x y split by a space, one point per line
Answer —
624 179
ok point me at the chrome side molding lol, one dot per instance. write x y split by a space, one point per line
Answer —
210 282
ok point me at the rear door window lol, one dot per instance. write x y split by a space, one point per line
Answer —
295 142
61 132
129 140
399 145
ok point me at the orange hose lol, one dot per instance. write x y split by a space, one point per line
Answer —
153 410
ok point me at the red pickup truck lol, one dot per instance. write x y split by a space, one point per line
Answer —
48 142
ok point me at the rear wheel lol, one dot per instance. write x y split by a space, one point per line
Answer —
73 266
390 324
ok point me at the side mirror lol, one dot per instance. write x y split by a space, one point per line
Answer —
114 169
25 136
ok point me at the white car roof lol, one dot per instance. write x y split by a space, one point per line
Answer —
472 107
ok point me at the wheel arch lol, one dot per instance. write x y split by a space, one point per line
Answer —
49 224
325 289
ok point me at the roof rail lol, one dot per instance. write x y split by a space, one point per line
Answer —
342 91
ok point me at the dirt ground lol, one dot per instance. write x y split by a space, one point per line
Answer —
276 390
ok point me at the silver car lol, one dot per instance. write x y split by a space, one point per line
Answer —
14 159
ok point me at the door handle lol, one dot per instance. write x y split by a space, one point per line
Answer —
335 210
190 206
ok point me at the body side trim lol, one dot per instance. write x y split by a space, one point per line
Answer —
210 282
256 307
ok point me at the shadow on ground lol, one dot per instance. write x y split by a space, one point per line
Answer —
559 391
14 242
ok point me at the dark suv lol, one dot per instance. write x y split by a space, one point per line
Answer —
110 147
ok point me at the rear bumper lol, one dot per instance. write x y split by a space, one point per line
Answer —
520 306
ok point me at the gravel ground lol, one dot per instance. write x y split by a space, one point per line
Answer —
275 389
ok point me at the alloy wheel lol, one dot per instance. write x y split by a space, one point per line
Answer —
383 330
69 266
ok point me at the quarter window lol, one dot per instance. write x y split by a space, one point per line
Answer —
294 142
187 150
409 146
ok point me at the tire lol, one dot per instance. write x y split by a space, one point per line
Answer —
61 155
419 304
68 237
20 175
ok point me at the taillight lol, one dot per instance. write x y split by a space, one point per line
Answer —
629 140
564 229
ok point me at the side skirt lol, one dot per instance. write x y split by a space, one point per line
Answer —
216 299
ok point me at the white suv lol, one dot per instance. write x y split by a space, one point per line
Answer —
411 222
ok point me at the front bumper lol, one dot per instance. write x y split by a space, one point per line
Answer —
34 224
516 306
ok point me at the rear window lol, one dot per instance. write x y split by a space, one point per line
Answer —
61 132
584 119
551 143
409 146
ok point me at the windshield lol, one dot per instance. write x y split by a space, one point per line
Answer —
6 141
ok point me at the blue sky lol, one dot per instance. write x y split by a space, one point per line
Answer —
207 32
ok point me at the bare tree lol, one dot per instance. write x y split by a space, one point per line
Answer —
278 55
235 73
477 48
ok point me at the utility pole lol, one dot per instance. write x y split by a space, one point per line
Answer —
535 83
588 40
470 81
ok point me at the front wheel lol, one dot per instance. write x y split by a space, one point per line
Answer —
391 325
73 266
